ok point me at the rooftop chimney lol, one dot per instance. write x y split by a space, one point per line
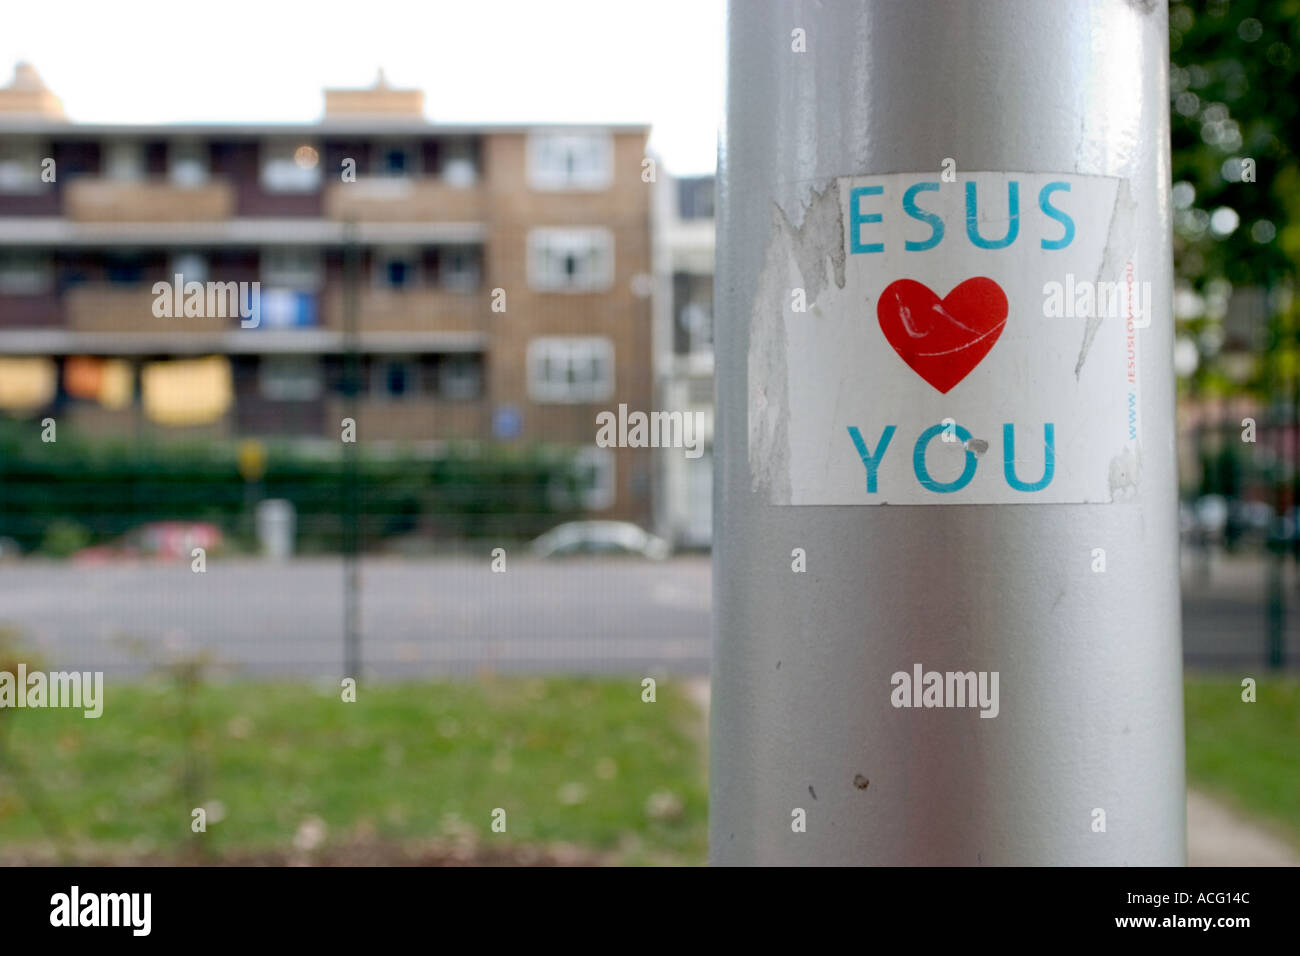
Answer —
380 101
27 95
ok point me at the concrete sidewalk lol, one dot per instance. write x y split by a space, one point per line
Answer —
1216 836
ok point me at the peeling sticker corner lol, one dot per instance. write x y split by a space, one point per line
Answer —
815 247
818 239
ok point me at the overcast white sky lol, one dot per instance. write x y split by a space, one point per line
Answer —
477 61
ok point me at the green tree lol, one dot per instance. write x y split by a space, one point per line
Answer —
1235 110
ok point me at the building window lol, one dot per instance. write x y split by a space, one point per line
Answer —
570 369
125 160
289 267
20 167
190 266
458 268
23 273
396 268
460 377
394 378
396 160
290 167
693 303
188 163
124 269
570 260
695 197
290 378
697 321
459 168
594 469
570 160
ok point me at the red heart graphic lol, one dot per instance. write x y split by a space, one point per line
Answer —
942 339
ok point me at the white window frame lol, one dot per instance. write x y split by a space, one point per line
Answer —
188 163
191 266
547 248
124 160
458 168
25 273
698 321
280 378
279 170
604 491
570 160
299 269
454 386
548 352
20 166
462 280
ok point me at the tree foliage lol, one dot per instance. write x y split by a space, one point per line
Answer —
1235 97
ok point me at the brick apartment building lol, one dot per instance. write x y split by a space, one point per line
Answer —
438 223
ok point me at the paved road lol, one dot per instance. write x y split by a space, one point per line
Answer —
418 618
455 616
1226 612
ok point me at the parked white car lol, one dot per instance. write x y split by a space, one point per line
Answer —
600 537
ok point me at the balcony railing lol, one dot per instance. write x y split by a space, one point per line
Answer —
109 308
410 310
92 419
104 307
108 200
403 199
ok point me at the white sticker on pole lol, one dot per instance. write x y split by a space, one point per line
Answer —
917 341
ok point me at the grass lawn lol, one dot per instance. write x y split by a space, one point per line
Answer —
1247 754
290 771
412 772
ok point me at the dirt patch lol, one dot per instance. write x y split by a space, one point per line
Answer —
358 853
